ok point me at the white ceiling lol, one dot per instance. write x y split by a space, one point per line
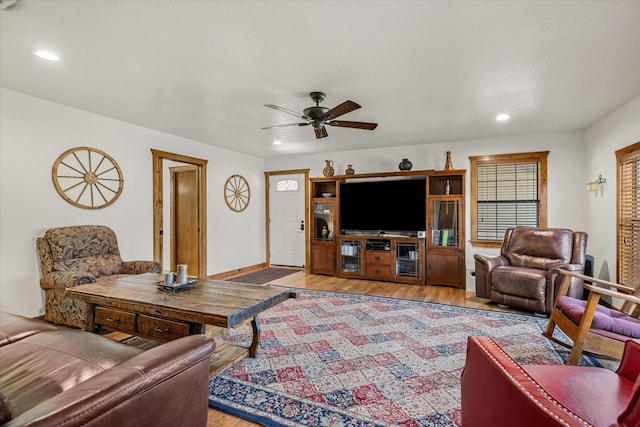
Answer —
426 71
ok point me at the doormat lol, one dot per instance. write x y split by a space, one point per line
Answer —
263 276
332 359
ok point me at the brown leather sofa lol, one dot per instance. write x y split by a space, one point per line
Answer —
59 376
522 275
497 391
75 255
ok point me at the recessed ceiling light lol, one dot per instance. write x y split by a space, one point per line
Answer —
277 142
502 117
45 54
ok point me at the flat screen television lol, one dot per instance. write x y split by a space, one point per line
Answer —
391 206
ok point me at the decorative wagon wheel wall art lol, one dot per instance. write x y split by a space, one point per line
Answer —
237 193
87 178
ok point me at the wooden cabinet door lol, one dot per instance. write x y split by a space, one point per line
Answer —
323 258
445 268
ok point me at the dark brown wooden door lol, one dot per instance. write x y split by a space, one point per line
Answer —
184 218
445 268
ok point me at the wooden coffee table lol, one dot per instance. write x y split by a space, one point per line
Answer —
136 306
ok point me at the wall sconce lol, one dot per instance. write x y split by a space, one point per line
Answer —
595 185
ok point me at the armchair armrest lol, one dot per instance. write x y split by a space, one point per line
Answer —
630 368
516 399
554 280
630 362
629 295
139 267
597 281
573 267
615 294
491 262
65 279
484 265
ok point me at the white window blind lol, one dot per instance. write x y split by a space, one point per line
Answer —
629 216
507 195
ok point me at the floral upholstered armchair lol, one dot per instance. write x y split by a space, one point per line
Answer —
76 255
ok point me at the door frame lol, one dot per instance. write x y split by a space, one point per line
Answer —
269 174
158 205
172 227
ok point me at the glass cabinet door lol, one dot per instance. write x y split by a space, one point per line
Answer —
407 259
323 221
444 222
351 256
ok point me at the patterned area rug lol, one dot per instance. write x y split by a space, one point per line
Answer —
263 276
331 359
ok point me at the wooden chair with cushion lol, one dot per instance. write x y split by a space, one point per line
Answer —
593 327
76 255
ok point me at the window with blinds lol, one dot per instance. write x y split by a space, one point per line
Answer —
629 215
506 191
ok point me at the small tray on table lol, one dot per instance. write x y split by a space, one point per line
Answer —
177 287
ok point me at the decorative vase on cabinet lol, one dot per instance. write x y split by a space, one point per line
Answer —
328 169
405 165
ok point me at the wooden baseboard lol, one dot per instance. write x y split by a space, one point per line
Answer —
232 273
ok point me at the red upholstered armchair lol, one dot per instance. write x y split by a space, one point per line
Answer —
524 274
497 391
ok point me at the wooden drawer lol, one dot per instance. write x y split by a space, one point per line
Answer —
118 320
378 272
161 329
377 257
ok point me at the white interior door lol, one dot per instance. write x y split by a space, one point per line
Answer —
286 220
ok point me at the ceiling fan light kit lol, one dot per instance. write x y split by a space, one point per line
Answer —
319 116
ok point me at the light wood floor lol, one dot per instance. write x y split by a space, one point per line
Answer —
301 279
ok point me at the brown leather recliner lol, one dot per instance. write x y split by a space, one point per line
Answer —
522 276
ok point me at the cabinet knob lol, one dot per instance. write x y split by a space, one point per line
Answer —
160 330
111 319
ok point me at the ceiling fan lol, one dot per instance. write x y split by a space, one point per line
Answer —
319 116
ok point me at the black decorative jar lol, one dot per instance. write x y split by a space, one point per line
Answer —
405 165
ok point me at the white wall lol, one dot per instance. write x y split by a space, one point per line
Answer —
567 197
617 130
34 132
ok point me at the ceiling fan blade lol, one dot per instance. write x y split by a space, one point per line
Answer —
290 124
355 125
344 108
285 110
321 132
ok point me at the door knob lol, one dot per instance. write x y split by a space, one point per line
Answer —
302 225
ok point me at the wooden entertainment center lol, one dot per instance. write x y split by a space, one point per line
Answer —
435 258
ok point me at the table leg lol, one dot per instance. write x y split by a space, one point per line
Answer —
197 329
91 319
255 325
